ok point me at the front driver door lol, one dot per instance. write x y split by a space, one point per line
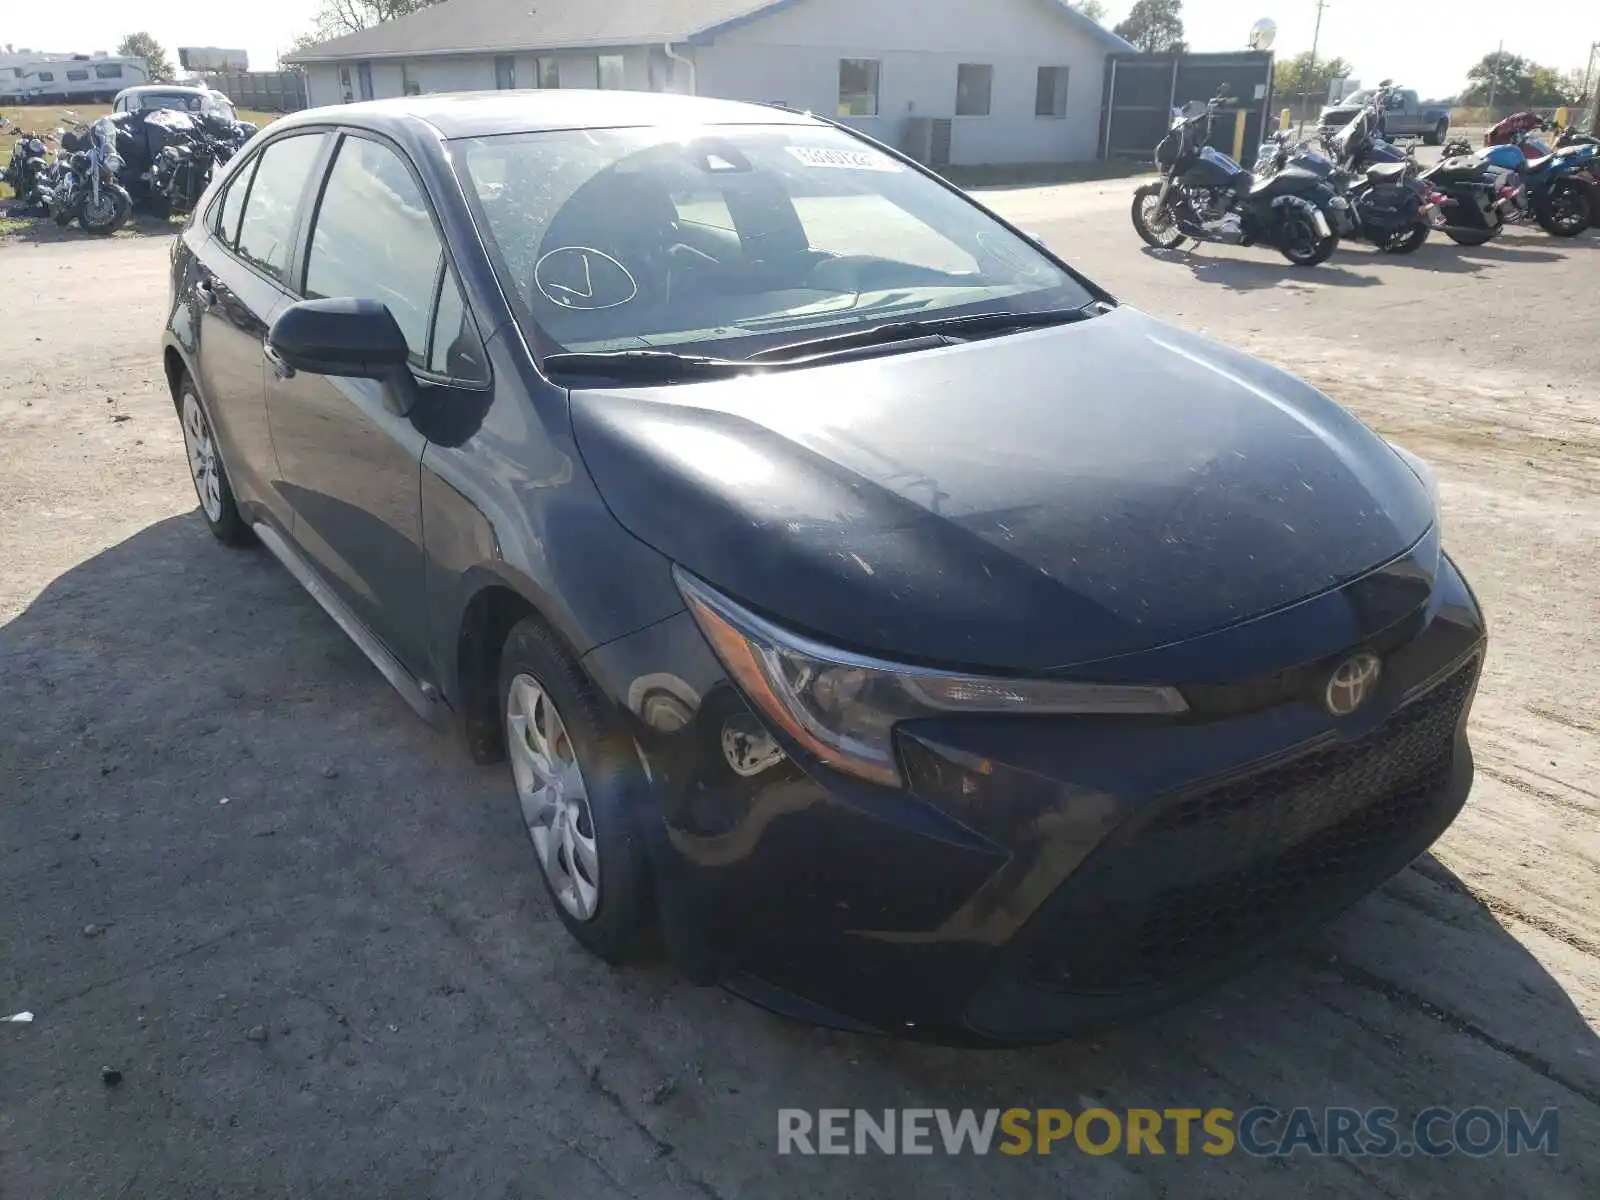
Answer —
351 467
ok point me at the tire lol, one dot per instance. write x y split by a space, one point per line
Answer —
211 487
1407 242
1170 241
601 888
116 206
1440 132
1563 210
1304 251
158 207
1470 237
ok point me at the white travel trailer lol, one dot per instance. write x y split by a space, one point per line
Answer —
29 77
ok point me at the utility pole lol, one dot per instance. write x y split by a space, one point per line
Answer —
1494 76
1316 36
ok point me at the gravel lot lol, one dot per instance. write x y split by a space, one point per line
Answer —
309 934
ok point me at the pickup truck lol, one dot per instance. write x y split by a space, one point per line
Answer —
1403 116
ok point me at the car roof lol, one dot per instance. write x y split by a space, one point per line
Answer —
480 114
180 88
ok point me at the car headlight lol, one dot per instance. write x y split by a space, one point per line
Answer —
1430 481
843 707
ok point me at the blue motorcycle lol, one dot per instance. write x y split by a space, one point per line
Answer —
1561 187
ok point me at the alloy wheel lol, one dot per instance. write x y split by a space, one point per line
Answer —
204 468
554 796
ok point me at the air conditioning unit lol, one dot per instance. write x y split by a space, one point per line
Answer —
927 139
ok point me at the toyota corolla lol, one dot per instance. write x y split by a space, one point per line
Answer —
919 639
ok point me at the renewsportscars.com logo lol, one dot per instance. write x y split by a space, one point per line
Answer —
1262 1132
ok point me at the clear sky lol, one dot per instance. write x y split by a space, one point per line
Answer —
1423 45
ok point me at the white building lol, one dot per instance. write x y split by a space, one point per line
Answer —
1020 80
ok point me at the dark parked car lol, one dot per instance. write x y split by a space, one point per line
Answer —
919 639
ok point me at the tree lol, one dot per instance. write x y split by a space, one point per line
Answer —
1302 78
1518 82
338 17
1093 9
142 45
1154 26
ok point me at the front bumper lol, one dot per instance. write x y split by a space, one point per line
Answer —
1043 876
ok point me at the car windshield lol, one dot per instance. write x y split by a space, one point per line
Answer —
1362 97
183 101
732 240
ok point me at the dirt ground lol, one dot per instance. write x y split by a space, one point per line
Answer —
236 869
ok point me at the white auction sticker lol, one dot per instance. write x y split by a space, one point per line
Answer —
848 160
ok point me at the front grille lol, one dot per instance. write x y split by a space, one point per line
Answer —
1201 878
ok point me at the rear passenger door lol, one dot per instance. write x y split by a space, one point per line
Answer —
238 286
352 467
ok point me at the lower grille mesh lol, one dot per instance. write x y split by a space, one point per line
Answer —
1202 877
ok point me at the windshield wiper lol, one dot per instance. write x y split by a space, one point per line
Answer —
894 331
650 365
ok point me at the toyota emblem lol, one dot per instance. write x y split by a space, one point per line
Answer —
1353 681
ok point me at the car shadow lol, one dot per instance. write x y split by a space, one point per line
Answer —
330 928
1245 275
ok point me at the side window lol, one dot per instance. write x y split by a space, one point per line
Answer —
227 226
455 350
374 240
282 172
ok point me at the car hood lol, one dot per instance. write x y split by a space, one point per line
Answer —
1025 502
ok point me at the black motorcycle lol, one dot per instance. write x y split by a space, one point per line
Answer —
169 155
30 161
1205 195
82 184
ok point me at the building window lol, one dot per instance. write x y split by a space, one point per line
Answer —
1051 98
613 72
505 72
409 84
108 71
858 87
974 82
364 77
344 84
547 72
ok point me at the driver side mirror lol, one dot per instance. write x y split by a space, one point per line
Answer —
348 338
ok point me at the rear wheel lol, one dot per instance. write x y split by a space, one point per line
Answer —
1302 243
1469 237
1405 241
211 486
1157 228
1564 210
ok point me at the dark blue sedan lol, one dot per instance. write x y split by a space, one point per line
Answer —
917 638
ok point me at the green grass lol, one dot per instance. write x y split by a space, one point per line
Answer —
45 118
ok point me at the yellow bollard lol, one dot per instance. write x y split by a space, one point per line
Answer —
1284 119
1562 117
1238 136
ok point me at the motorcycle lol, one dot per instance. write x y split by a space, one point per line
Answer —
1559 188
83 183
170 155
1389 205
30 159
1207 196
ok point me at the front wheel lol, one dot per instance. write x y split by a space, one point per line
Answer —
1157 227
1302 243
108 214
1406 240
579 785
1470 237
1564 210
1440 132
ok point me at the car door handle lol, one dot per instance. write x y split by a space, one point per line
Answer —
279 368
205 293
